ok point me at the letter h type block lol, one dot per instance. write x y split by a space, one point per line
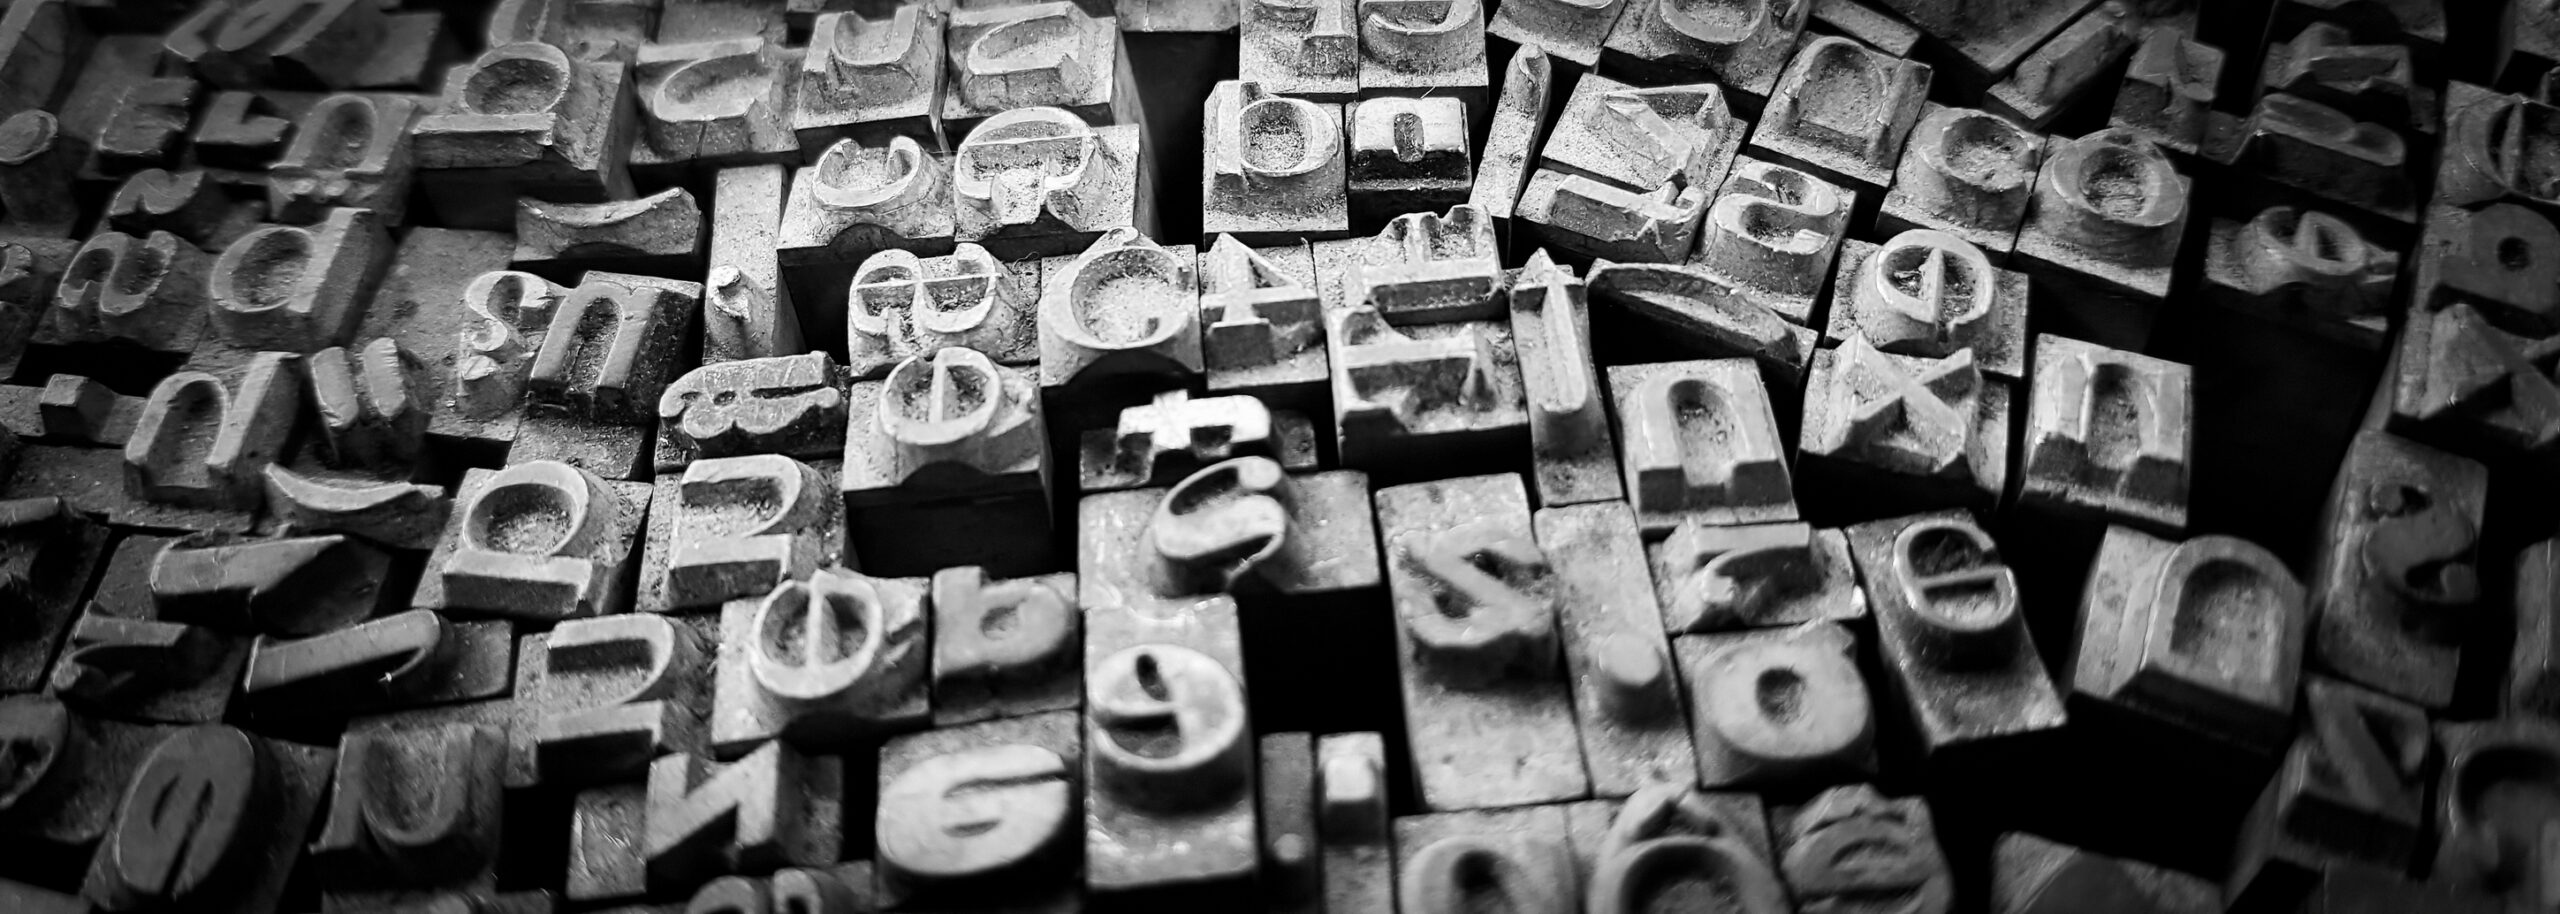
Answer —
1953 634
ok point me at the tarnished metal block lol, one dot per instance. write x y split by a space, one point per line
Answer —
715 102
1005 648
2352 788
1291 880
1163 442
1852 848
2491 143
2305 269
535 541
76 768
1570 29
1925 431
1992 36
1625 691
1409 396
121 661
1028 55
1772 233
1715 577
823 663
48 550
2329 154
1782 706
524 119
2484 762
1519 119
1351 821
901 306
334 46
1952 631
658 234
775 807
948 424
859 201
351 151
1125 308
982 815
1422 268
747 311
1306 48
1262 324
2370 81
2532 684
1488 707
291 288
2169 88
203 443
871 79
1423 49
1041 182
1708 315
1742 44
1169 798
1574 452
1639 138
2398 575
2086 396
729 528
148 290
144 130
1518 858
1860 19
2468 372
1701 444
792 405
1933 294
403 660
2068 66
1407 155
1968 173
1275 166
227 851
1842 111
2108 215
2205 635
470 329
2031 875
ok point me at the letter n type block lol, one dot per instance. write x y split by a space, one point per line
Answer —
2399 577
202 444
613 693
1701 443
2204 636
1842 111
1476 599
825 663
2108 436
1952 633
981 815
1777 706
2351 791
1626 692
1004 648
539 541
774 808
737 527
413 811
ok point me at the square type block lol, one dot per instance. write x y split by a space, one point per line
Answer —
2109 436
1700 443
1930 293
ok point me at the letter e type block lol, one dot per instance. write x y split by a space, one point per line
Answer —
1952 632
1275 166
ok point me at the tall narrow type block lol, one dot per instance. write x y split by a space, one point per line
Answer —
1304 48
1842 111
1701 443
1423 49
1042 182
1292 875
524 119
1262 324
1275 167
1742 44
537 541
747 311
1569 435
2108 436
1777 707
871 79
1772 233
1519 118
1968 173
901 305
2203 635
2398 568
1351 822
1952 630
1626 692
2532 683
1489 709
823 663
983 814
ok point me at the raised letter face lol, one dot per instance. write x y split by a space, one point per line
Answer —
610 347
975 814
2107 435
1430 268
1701 442
542 540
414 809
1127 305
1844 109
1302 48
860 71
188 822
2498 796
2206 634
1275 164
617 692
2399 572
1028 55
1906 415
778 405
1002 648
1777 706
1774 231
832 643
1031 172
1529 874
200 444
351 151
1851 850
1167 729
2108 205
746 524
